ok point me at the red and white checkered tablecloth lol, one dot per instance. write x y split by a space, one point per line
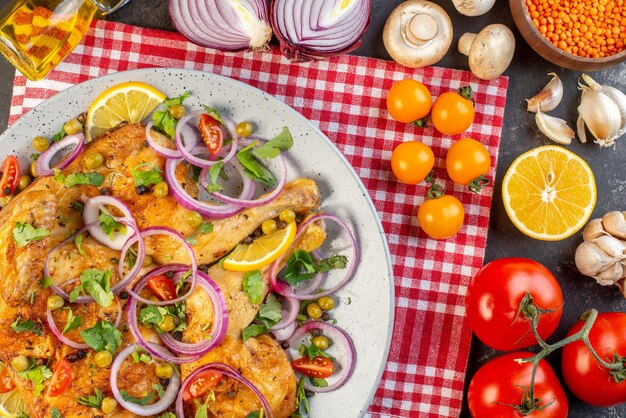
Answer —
345 97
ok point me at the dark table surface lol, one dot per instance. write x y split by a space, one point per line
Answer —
527 75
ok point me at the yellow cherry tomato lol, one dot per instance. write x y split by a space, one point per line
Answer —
408 101
412 161
468 161
452 113
441 218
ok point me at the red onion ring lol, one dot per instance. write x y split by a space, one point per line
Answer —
153 409
91 214
339 338
315 282
159 149
43 162
287 291
284 332
289 316
226 371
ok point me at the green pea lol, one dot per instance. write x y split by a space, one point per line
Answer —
55 302
24 181
194 219
321 342
326 303
161 190
20 363
167 324
41 143
108 405
72 127
164 371
244 129
103 359
269 227
94 160
177 111
287 216
314 311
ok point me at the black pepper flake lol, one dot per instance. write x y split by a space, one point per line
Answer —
248 240
257 233
165 382
204 268
105 191
284 345
177 335
326 316
143 189
6 191
309 394
123 295
232 394
81 354
316 332
169 274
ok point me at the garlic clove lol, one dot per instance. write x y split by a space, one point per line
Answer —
591 260
613 247
580 130
554 128
619 99
548 98
593 230
602 108
610 275
615 224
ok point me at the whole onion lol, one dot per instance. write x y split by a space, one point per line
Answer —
314 29
223 25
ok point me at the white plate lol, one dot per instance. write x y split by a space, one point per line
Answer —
369 317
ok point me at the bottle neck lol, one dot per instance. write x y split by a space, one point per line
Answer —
109 6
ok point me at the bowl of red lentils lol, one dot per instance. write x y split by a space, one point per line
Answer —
582 35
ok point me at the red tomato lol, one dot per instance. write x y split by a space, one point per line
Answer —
10 172
502 381
211 133
163 287
61 378
6 383
493 299
202 383
583 374
320 367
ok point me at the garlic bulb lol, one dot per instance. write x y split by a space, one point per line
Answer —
554 128
602 110
602 255
548 98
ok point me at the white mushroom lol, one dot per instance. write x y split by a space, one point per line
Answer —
490 51
418 33
473 7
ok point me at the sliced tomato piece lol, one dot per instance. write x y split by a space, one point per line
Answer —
10 172
61 378
163 287
319 367
211 133
202 383
6 383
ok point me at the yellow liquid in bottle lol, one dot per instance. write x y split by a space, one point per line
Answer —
35 35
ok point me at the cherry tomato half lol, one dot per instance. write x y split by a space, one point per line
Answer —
452 113
202 383
6 383
61 378
211 133
583 374
319 367
412 161
10 172
163 287
408 101
467 160
502 382
441 218
493 299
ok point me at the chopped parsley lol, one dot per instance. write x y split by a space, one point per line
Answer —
78 241
79 179
93 401
102 336
302 403
205 227
26 326
214 173
45 282
318 382
167 415
312 351
55 413
59 135
301 266
159 390
96 283
163 120
78 206
269 315
72 321
253 286
109 225
215 114
24 233
146 400
153 316
147 177
255 414
37 375
272 148
253 168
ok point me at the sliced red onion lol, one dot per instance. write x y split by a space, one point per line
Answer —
148 410
162 230
346 359
158 148
314 29
125 280
315 282
91 214
247 192
287 291
226 371
43 162
289 316
285 332
227 26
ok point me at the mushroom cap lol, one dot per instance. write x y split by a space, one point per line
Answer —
403 43
492 51
473 7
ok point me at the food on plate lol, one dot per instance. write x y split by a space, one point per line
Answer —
473 7
314 29
554 128
10 176
490 51
144 272
440 216
418 33
227 26
467 163
411 161
549 193
502 388
498 303
453 112
587 29
409 101
548 97
602 254
587 379
602 110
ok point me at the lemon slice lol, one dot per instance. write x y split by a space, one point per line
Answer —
127 102
262 251
12 404
549 193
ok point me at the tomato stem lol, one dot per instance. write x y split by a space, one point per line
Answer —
420 123
467 93
436 190
476 185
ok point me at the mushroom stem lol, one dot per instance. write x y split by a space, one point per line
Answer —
422 27
465 43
